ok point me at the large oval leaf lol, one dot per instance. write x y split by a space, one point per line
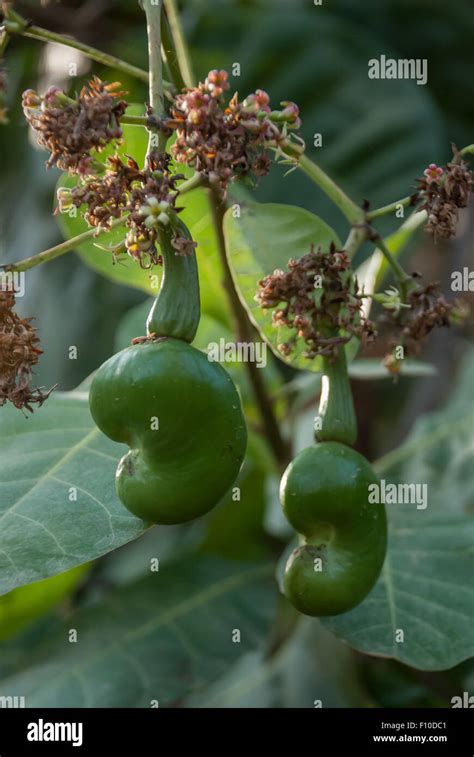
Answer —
152 642
58 507
260 239
21 606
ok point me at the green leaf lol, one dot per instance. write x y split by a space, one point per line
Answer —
311 666
372 368
23 605
153 640
125 271
197 216
262 240
425 589
127 564
234 528
44 530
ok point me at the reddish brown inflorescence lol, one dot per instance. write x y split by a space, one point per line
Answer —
317 298
19 352
146 197
444 192
70 129
224 141
426 310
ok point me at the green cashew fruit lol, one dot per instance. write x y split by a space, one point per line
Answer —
324 494
179 413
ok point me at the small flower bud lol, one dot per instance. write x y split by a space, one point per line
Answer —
433 173
216 82
392 364
390 300
64 197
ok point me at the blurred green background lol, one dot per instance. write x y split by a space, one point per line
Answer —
377 138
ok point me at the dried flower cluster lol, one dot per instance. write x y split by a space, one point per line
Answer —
321 304
104 196
146 198
70 129
444 191
19 352
425 310
428 310
223 141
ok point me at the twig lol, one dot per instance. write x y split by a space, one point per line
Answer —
402 277
60 249
348 207
182 55
4 40
152 10
194 182
244 331
391 208
16 24
357 236
169 50
134 120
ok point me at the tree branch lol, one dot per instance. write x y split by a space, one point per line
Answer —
152 10
245 333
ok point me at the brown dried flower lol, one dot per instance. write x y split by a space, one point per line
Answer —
69 129
19 352
427 309
222 142
145 197
105 196
320 302
151 204
444 191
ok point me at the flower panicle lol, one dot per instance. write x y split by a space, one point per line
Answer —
145 198
425 310
316 298
224 140
70 129
444 192
19 352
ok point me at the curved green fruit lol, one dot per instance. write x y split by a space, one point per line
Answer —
324 494
182 419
